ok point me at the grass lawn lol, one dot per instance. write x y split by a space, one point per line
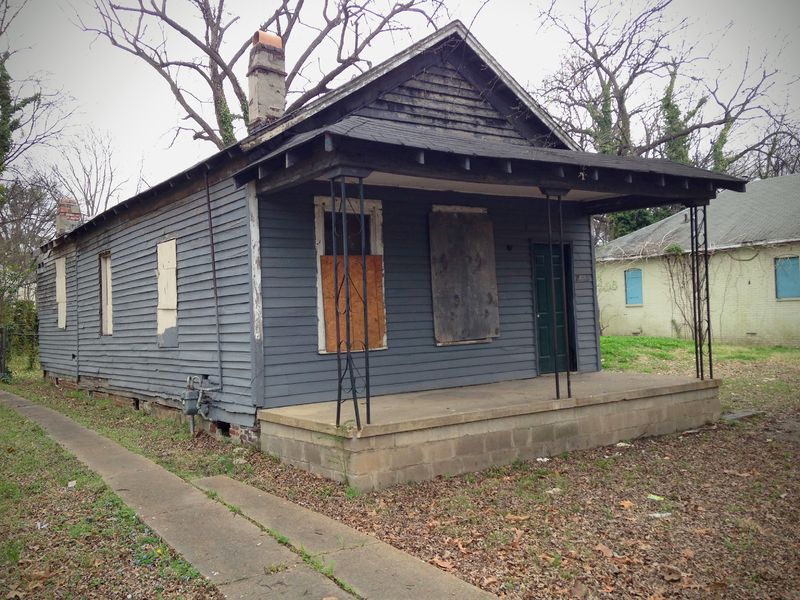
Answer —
64 534
701 515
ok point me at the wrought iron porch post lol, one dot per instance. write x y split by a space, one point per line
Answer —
347 306
365 296
553 318
693 265
564 303
708 294
334 253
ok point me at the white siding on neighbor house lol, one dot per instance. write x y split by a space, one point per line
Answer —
744 304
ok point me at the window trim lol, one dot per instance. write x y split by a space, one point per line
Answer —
61 292
323 207
161 301
479 210
641 286
106 290
775 276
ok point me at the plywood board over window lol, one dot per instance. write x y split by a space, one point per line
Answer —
348 235
463 277
61 292
374 298
167 310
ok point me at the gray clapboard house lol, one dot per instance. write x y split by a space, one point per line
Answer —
425 184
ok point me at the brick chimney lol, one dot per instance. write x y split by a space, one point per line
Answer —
266 77
68 215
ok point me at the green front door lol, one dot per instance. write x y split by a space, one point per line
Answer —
547 280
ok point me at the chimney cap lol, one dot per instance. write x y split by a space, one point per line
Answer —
267 38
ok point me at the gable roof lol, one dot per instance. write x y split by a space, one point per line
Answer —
456 30
530 134
768 213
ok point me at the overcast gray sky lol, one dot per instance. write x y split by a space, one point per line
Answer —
116 93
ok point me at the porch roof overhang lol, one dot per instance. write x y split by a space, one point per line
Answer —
401 154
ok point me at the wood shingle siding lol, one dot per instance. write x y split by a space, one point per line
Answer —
441 97
296 373
130 359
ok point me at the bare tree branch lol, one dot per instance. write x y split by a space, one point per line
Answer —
344 29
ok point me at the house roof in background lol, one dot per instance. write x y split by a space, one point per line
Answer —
767 213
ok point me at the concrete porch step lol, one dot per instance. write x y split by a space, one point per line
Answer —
372 568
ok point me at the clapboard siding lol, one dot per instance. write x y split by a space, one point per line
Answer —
57 347
296 373
130 359
440 96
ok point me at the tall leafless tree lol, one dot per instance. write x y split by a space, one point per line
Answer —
88 173
199 67
610 88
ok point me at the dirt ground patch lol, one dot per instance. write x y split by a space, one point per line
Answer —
707 514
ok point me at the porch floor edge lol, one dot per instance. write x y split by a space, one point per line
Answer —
319 416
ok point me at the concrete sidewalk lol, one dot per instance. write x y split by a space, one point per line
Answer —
234 553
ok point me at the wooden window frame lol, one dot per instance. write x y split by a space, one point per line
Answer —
775 275
61 292
167 302
322 208
479 210
106 293
641 285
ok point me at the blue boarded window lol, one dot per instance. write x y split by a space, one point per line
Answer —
633 286
787 277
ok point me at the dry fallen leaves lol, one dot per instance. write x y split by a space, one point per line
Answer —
604 550
626 504
444 564
517 518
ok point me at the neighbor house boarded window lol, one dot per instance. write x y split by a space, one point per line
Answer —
349 236
463 278
106 310
633 286
61 292
167 310
787 277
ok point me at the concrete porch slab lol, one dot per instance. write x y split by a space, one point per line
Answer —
418 436
394 413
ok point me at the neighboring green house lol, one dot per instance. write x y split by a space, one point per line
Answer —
644 278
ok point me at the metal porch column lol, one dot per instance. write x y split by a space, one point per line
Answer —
345 363
701 292
553 317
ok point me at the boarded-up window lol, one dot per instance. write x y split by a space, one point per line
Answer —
375 305
61 292
106 308
349 236
463 278
167 309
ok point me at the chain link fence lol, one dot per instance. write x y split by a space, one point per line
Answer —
19 351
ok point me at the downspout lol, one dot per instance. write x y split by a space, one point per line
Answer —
214 281
77 314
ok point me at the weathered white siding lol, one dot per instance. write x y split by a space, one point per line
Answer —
744 309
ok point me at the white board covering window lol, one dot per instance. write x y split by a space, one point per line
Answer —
61 292
167 310
106 306
463 277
